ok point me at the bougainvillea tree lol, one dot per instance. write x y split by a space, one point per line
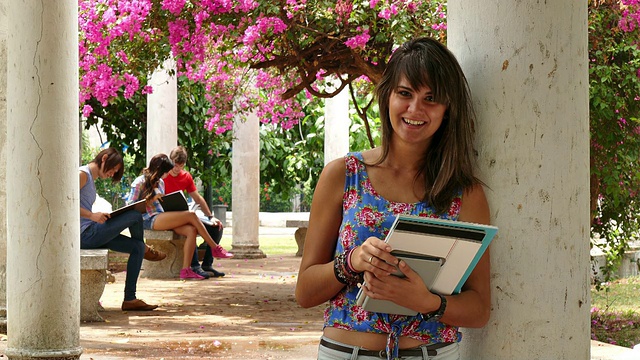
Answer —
614 74
251 55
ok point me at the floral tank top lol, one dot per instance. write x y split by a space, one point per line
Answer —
365 214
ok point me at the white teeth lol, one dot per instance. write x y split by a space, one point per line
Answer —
413 122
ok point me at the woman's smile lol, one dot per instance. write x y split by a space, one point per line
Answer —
413 122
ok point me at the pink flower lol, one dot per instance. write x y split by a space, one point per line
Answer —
358 41
385 14
87 110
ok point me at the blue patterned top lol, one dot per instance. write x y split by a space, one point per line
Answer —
365 214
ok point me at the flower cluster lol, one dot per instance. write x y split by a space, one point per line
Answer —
630 19
249 54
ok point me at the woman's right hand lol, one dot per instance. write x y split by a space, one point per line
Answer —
99 217
374 255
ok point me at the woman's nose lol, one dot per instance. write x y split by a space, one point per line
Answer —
415 105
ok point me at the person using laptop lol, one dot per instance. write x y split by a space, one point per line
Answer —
423 167
99 231
150 186
181 180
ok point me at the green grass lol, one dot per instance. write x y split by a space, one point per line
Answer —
615 312
270 245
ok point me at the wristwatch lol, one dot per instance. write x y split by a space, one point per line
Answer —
436 315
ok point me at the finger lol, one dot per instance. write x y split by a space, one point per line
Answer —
408 271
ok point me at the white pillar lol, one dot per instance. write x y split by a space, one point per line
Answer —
3 166
43 260
245 180
527 65
336 126
162 111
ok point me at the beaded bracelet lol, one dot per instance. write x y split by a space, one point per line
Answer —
349 266
343 273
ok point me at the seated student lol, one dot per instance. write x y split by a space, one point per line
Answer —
181 180
99 231
150 186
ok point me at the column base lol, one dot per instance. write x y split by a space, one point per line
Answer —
247 252
22 354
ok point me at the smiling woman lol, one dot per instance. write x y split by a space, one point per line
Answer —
424 167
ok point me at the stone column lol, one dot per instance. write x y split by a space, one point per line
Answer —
3 166
527 65
336 126
43 248
162 111
245 177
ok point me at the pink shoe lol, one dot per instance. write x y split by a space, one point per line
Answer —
188 274
220 253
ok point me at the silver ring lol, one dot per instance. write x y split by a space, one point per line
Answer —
370 259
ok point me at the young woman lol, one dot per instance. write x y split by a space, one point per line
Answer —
150 186
424 167
99 231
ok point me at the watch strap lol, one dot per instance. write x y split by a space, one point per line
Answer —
436 315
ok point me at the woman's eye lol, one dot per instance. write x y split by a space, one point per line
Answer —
404 93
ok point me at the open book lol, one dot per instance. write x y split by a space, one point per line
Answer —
443 252
138 205
175 201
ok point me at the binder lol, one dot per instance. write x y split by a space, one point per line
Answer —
457 245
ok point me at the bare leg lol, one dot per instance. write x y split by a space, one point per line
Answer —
189 244
174 219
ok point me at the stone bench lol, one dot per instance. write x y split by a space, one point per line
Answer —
300 234
171 244
93 277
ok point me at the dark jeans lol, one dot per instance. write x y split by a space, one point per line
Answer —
107 236
216 235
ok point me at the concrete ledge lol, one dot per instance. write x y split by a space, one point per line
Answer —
300 234
604 351
93 277
170 243
630 265
94 259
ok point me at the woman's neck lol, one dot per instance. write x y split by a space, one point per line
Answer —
94 169
404 156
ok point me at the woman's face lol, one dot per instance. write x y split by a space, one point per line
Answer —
106 174
414 114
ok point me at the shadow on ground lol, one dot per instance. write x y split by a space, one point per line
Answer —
251 313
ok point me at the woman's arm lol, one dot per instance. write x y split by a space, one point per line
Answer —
316 280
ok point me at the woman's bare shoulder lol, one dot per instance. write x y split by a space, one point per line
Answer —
372 155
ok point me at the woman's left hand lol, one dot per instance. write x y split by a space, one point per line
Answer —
408 291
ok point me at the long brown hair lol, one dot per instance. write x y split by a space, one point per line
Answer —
448 163
158 165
